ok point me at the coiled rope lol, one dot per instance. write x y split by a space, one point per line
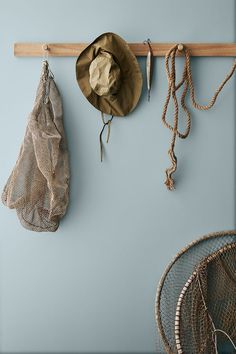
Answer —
187 81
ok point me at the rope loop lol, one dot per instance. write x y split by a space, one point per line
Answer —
187 83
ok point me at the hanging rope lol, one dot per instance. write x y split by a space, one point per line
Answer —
108 124
187 81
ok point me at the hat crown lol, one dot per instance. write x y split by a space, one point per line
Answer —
104 74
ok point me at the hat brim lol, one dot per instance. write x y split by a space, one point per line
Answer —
126 99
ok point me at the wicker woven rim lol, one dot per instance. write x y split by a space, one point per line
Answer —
162 280
207 259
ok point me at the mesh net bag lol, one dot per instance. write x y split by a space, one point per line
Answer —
175 277
206 309
38 187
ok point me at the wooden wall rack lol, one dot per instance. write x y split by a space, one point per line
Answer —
139 49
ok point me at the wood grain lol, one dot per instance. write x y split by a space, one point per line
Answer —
139 49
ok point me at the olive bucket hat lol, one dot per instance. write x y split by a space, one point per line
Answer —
109 76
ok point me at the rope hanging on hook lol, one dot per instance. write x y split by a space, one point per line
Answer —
187 82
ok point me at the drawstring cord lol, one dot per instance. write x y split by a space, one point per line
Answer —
108 124
172 89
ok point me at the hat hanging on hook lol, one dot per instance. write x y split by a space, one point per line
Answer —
109 76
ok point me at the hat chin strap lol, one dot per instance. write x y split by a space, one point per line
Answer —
108 123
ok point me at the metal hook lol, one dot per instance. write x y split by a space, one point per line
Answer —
148 42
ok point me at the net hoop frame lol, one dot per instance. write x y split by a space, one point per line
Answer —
208 259
158 320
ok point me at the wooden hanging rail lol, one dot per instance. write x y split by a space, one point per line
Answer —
139 49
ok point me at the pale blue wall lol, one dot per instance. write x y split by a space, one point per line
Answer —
90 287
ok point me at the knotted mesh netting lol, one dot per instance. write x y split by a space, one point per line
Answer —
173 282
205 320
38 187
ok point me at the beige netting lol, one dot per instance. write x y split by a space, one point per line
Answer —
205 320
175 278
38 187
